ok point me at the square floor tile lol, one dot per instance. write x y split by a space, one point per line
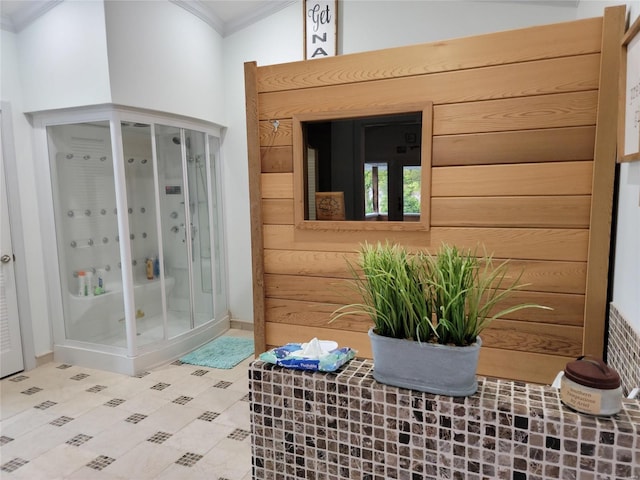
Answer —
59 462
145 461
96 388
26 421
198 437
79 439
172 417
160 386
239 434
13 464
58 422
36 442
209 416
100 462
115 402
135 418
31 391
119 439
232 459
99 419
188 459
237 415
45 405
158 437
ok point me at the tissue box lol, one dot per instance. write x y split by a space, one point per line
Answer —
291 356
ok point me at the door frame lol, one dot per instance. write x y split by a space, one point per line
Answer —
17 235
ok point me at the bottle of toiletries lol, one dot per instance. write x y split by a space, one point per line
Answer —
88 283
149 268
81 283
99 289
156 267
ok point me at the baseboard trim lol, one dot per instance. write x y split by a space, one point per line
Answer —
44 359
241 325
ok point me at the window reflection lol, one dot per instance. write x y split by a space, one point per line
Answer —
368 168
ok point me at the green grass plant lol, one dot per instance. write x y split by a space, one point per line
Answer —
446 298
393 293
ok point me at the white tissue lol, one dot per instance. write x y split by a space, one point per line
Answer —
314 349
557 381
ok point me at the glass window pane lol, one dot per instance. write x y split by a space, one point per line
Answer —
411 177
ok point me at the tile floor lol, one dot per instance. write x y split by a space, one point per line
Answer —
177 421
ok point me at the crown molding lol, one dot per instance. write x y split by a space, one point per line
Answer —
200 10
269 8
23 17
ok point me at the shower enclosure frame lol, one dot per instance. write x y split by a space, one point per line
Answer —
134 358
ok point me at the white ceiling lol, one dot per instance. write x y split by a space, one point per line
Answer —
226 16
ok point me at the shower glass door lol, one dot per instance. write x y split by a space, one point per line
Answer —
186 245
143 233
200 242
84 205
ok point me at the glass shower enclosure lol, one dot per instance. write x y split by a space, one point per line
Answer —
138 273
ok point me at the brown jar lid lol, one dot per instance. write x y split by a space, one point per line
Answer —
592 372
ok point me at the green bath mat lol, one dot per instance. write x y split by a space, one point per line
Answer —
223 352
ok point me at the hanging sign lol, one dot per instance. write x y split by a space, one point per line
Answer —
320 28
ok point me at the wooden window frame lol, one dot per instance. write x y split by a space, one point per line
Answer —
424 224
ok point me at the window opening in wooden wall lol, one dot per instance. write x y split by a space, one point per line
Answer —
373 162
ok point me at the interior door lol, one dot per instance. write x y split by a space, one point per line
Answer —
11 360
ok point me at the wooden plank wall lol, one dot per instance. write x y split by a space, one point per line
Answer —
515 122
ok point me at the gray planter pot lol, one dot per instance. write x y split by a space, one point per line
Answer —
428 367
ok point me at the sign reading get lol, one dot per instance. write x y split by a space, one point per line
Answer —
320 27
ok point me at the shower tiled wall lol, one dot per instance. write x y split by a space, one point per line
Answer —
348 426
623 351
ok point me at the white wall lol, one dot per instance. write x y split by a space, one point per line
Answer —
373 25
626 280
362 26
626 276
276 39
20 170
62 57
162 57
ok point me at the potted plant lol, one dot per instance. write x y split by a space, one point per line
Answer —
428 312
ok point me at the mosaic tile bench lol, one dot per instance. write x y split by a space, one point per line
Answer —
345 425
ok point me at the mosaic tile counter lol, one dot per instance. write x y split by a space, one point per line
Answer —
345 425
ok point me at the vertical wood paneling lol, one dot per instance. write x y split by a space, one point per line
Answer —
255 199
603 182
